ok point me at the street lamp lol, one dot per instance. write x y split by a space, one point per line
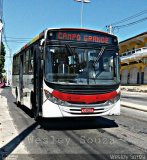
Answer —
82 1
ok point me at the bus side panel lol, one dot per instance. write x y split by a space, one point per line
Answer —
26 77
15 87
28 88
15 77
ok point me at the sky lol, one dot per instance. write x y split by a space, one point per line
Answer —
27 18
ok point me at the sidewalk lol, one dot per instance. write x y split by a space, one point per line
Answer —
8 131
134 106
139 88
134 90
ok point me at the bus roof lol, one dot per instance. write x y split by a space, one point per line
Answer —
42 35
80 29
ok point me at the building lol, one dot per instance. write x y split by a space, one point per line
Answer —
133 55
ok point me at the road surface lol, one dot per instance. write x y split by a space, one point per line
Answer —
109 137
136 98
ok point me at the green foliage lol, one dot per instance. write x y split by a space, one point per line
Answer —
2 59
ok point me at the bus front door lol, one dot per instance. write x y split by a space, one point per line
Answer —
37 83
21 79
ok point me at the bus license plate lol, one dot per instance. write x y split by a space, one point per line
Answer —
87 110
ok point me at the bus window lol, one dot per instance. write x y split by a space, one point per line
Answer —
30 60
26 62
16 65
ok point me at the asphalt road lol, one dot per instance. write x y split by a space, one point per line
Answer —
109 137
136 98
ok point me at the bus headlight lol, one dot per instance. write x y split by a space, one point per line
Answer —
114 100
53 99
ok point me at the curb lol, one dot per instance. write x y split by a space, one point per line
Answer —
132 106
139 89
134 90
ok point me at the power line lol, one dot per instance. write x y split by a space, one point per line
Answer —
5 39
130 24
18 38
10 41
131 17
110 28
15 40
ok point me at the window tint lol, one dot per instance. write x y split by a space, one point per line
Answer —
31 57
28 61
16 65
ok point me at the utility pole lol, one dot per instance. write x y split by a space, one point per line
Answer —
9 72
82 8
110 29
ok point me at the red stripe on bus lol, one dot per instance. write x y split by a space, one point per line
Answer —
84 98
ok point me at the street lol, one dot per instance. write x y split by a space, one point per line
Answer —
109 137
134 98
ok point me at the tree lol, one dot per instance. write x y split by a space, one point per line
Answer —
2 60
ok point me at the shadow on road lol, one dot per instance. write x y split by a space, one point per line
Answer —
25 109
71 123
76 124
9 147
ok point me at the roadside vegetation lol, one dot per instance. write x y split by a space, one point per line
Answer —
2 63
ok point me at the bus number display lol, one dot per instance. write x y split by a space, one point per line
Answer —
82 37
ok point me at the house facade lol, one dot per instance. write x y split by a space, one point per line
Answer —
133 55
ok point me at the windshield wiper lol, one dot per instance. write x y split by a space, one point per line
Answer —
96 61
72 52
99 55
70 49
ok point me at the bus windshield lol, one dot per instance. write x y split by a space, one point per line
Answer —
81 66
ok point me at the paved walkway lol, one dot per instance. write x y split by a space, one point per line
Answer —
8 132
134 90
134 106
140 88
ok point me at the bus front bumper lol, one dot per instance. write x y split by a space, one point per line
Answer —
51 110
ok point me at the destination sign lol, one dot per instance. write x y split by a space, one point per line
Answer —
82 36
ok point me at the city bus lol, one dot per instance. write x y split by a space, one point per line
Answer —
68 72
